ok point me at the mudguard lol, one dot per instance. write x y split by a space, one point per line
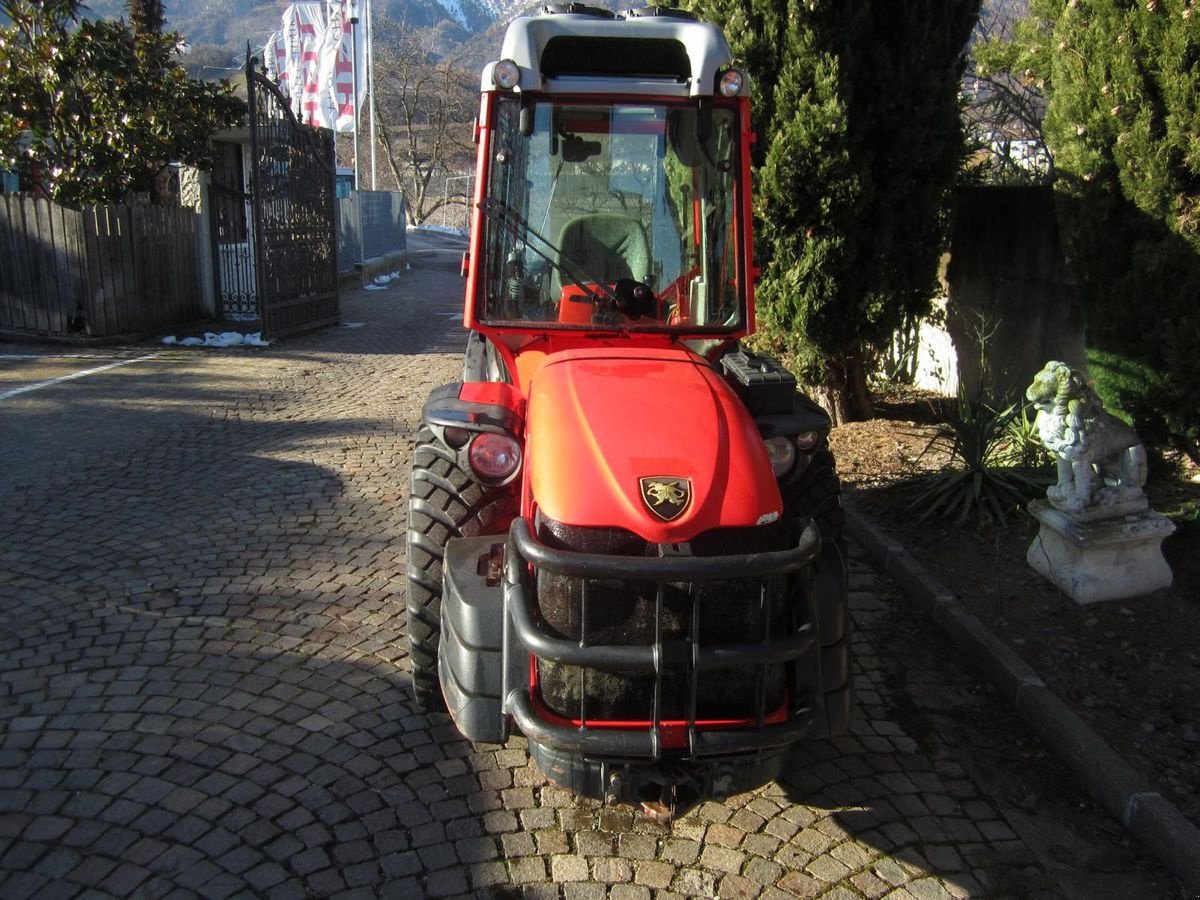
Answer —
475 406
651 441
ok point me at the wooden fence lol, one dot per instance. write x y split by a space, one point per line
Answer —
101 271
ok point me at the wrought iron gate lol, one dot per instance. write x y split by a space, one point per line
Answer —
292 202
232 243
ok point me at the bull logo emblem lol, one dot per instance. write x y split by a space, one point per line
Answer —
666 497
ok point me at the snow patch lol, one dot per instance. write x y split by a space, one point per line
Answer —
224 339
454 10
439 229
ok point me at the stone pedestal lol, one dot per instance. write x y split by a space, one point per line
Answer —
1092 559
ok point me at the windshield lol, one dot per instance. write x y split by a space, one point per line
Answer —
612 216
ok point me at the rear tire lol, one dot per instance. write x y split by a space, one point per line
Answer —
445 502
816 493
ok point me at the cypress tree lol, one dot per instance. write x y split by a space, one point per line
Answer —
147 16
860 140
1123 122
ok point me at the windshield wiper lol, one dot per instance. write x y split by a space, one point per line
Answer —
502 213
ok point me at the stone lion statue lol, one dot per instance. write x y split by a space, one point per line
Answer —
1100 459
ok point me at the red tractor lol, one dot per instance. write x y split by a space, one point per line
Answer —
625 531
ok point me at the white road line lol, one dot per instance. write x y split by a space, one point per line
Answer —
80 374
25 356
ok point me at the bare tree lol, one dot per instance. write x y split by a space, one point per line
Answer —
1004 106
424 107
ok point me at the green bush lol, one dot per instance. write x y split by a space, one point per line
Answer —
95 109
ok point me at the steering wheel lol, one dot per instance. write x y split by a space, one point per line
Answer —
633 299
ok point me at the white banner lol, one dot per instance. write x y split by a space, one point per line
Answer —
338 66
312 60
303 29
274 57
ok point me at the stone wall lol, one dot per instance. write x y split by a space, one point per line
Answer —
1009 301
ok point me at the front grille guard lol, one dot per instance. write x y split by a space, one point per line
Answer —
524 636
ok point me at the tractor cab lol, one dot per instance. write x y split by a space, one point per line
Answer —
612 197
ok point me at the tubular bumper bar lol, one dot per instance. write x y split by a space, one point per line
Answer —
666 568
647 744
525 634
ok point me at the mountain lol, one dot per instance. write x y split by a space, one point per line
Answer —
467 30
218 30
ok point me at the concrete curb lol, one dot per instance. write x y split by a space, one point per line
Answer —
1153 820
395 260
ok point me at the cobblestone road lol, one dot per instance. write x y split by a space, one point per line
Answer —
204 688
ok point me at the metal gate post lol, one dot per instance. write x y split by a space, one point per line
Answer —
252 100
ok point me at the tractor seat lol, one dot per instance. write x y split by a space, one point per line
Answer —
607 246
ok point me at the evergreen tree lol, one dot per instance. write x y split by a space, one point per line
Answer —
1123 122
91 111
860 140
147 16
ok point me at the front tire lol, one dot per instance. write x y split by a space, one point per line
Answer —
445 502
815 492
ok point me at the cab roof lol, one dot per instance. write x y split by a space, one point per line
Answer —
581 49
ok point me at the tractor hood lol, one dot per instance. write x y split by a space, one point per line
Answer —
652 441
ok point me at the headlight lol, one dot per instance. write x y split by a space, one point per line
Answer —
506 74
494 457
806 440
782 453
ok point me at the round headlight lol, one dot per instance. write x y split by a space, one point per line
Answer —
494 457
806 440
782 453
731 83
506 74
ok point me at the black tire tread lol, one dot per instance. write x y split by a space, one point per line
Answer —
816 492
445 502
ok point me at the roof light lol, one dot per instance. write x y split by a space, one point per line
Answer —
506 74
731 83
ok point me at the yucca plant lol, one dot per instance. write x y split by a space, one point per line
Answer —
978 480
1022 445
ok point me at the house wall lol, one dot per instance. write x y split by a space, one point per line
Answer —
193 188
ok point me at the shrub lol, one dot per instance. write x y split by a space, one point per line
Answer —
979 481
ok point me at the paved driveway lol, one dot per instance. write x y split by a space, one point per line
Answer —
203 679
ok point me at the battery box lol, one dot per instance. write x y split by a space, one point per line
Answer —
766 387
